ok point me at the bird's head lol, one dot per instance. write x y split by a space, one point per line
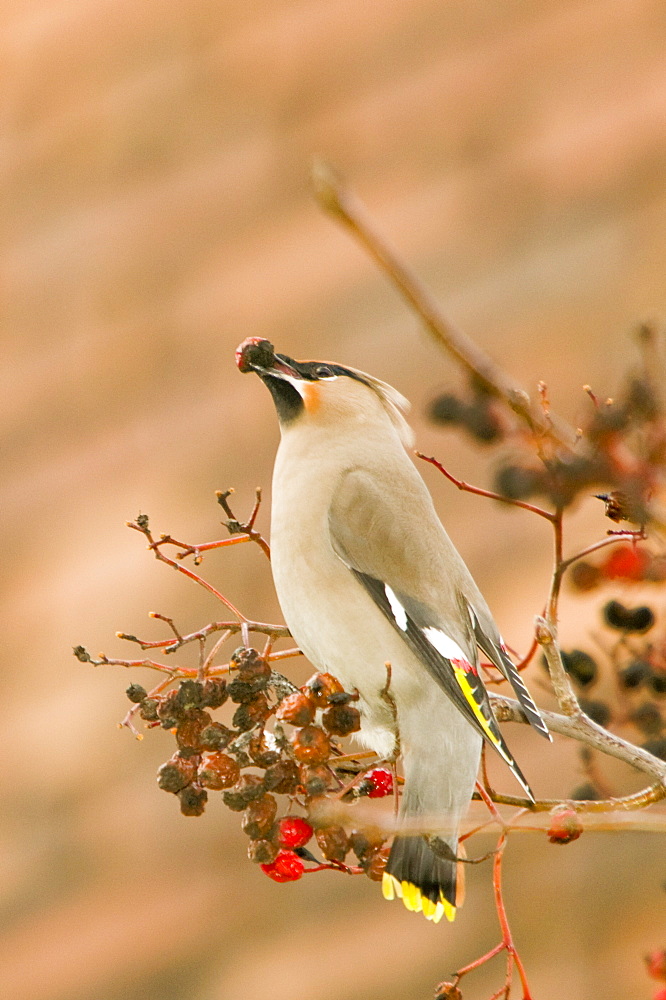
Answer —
318 392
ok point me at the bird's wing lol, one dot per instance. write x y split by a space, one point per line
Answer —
397 565
491 644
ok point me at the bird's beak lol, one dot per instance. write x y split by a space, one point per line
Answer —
258 355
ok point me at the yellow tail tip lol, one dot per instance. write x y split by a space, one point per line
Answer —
415 901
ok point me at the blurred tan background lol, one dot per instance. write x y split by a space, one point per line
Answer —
157 211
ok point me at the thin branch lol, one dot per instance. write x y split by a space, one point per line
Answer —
477 491
581 728
545 635
340 201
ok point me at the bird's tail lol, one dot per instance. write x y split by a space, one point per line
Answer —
427 882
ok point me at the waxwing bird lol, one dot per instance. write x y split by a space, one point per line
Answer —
365 575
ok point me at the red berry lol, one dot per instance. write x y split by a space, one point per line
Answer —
565 825
627 562
656 965
660 994
287 867
294 831
381 781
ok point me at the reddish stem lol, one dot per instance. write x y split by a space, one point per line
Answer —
461 485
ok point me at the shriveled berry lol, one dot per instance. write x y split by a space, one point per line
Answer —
647 718
218 770
298 709
294 831
192 800
260 753
375 864
190 695
282 777
215 692
341 720
635 674
656 964
310 745
377 783
598 711
565 825
580 666
188 733
254 351
170 711
259 817
176 773
315 779
333 842
251 666
250 715
262 852
136 693
365 843
242 692
248 788
287 867
148 710
321 686
216 737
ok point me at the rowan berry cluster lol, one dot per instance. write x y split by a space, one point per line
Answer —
253 766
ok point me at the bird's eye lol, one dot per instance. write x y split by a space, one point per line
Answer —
323 371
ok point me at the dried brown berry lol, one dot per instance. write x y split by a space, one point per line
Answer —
259 817
311 745
136 693
315 779
260 753
375 866
250 715
215 692
216 736
321 686
333 842
193 800
170 711
148 710
366 843
188 733
218 770
190 695
341 720
248 788
251 666
242 692
298 709
176 773
262 852
282 777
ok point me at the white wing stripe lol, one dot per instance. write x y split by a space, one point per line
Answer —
399 612
444 644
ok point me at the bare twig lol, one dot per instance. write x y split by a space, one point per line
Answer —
341 202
